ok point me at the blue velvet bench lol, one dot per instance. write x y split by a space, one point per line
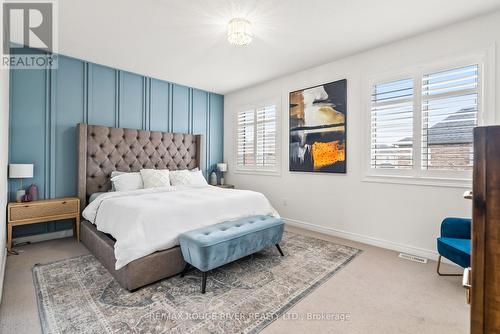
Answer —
212 246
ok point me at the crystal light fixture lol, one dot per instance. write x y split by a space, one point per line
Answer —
239 32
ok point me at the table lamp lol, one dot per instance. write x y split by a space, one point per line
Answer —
222 167
20 171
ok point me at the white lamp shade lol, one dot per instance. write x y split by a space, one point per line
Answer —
222 167
20 171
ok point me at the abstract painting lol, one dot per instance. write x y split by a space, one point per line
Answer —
318 128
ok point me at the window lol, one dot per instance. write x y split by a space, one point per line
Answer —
421 124
246 138
256 139
449 113
392 125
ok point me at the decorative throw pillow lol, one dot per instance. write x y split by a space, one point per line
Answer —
180 177
127 181
154 178
193 177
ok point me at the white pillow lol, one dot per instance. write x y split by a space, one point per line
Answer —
154 178
127 181
116 173
197 179
113 174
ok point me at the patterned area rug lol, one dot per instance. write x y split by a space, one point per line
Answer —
78 295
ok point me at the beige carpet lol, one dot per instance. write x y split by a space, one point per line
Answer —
380 292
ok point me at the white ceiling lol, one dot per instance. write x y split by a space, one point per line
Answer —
184 41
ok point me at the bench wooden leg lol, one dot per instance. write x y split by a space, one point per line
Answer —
186 268
203 281
279 249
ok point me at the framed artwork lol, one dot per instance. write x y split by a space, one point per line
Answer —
318 128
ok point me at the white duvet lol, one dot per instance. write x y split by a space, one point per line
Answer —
148 220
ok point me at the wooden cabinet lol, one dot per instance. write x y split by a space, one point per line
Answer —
485 274
42 211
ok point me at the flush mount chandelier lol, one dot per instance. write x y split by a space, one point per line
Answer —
239 32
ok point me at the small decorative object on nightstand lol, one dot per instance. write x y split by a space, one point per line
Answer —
227 186
213 178
20 171
31 193
222 167
43 211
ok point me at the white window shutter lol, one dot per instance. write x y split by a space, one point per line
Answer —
266 137
449 114
256 139
246 138
392 125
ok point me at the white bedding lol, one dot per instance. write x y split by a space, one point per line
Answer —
148 220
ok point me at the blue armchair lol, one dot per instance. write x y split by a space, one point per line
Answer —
454 243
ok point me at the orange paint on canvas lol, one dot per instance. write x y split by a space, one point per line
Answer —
325 154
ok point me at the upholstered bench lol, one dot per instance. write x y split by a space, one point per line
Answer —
212 246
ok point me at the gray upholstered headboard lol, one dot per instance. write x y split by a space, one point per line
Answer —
102 149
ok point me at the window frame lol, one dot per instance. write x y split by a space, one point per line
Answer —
418 175
276 170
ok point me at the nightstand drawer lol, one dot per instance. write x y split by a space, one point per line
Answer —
42 211
35 210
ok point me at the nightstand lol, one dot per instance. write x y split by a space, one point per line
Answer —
43 211
227 186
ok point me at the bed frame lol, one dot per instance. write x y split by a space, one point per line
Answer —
102 150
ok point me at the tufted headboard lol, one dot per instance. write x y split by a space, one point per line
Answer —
102 149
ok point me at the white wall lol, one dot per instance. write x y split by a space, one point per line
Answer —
397 216
4 137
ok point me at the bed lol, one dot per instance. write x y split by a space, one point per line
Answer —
135 232
102 150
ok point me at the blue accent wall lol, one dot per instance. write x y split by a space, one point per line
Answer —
46 105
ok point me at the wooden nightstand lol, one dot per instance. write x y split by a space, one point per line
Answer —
227 186
43 211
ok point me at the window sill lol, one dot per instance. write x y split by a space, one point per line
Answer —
258 172
421 181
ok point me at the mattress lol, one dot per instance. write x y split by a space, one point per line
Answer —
149 220
94 196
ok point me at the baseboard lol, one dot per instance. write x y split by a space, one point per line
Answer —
426 253
43 237
3 262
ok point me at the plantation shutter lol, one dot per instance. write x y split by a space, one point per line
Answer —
392 125
449 114
246 138
266 137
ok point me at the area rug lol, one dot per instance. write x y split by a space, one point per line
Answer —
78 295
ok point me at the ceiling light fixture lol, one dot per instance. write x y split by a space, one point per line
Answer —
239 32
